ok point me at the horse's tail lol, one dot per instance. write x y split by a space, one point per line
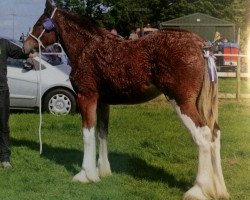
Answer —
208 101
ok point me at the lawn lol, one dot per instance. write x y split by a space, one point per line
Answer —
229 85
152 155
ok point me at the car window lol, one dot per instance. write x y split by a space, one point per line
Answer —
15 62
51 56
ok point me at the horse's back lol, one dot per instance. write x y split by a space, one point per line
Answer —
128 72
177 63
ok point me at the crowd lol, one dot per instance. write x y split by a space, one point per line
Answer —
137 33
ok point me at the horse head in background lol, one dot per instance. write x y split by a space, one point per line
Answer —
108 70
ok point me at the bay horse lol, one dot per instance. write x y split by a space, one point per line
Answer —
108 70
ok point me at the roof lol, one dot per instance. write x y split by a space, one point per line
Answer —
197 19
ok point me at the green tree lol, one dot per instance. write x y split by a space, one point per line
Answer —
125 15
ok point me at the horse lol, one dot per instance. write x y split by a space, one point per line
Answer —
108 70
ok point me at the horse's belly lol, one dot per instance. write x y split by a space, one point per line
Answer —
132 95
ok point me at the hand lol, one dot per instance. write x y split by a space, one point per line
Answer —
33 54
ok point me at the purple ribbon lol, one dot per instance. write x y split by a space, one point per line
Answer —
212 70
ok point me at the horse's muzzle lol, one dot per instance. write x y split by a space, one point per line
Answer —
30 46
30 50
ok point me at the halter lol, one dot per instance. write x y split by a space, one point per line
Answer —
48 25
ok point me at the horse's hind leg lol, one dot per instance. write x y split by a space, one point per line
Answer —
216 161
102 130
204 187
87 107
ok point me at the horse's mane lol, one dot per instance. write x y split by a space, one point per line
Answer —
92 26
82 20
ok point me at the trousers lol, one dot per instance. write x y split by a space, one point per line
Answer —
4 125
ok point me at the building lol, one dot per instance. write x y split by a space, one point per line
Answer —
204 25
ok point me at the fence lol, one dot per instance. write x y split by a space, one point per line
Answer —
236 70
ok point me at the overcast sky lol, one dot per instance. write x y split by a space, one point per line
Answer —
20 14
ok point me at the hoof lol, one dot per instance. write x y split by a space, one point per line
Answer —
195 193
104 170
104 173
81 177
224 195
84 178
221 190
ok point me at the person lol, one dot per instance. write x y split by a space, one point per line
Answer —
7 49
21 39
114 31
133 35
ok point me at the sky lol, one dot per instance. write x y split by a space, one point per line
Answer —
17 16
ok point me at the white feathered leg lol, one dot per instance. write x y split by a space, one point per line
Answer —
102 129
88 172
216 160
204 185
103 162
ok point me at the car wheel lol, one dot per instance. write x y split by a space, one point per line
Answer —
59 102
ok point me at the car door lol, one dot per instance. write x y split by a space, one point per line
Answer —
23 84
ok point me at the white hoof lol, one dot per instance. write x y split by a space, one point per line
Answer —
81 177
84 177
103 172
104 169
195 193
92 175
223 194
221 190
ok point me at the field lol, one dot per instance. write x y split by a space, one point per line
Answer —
152 155
229 85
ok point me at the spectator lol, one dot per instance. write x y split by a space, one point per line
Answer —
133 35
114 31
7 49
21 39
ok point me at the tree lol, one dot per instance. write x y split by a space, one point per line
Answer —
125 15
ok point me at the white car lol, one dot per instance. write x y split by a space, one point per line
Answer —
58 96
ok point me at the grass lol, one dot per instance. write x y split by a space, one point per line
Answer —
152 155
229 85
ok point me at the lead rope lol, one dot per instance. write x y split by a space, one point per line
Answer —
40 44
40 92
40 88
40 101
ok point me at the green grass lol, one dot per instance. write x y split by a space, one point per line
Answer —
229 85
152 155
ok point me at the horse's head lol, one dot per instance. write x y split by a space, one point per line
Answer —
43 32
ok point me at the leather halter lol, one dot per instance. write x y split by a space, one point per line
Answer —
48 26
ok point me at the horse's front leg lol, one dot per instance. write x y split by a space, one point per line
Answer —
102 130
87 107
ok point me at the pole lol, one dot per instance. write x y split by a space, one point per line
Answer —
238 69
13 24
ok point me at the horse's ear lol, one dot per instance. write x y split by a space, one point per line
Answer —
49 7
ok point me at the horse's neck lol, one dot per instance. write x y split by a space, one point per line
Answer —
74 38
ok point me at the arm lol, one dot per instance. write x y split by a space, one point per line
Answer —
14 51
